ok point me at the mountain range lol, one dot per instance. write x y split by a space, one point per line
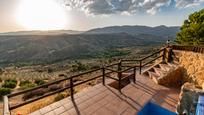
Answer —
51 46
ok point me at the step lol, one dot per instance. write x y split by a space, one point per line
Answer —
159 71
165 67
146 72
153 76
176 62
151 68
172 64
125 74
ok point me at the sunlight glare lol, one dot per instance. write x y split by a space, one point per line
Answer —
41 15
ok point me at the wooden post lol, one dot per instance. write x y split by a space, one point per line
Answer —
103 72
119 65
140 66
72 89
119 81
164 55
119 76
134 78
6 106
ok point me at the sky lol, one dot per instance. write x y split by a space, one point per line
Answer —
25 15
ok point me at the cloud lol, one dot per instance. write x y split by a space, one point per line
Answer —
152 6
125 7
188 3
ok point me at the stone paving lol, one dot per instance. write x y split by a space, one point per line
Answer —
105 100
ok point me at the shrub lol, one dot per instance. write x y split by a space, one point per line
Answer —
39 81
28 85
9 84
78 66
49 70
11 80
22 83
34 93
54 87
4 91
40 91
28 95
59 97
1 71
61 75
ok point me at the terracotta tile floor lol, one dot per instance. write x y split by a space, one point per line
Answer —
105 100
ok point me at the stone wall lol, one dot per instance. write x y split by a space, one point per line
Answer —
193 65
191 60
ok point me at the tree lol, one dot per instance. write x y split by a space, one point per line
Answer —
192 30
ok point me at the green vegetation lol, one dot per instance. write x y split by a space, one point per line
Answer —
49 70
11 80
4 91
78 66
192 31
34 93
39 81
10 83
112 53
22 83
59 97
1 71
27 84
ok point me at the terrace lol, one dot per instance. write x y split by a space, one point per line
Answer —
105 100
123 90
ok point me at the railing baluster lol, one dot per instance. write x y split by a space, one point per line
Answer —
103 72
134 78
119 65
72 85
72 88
164 55
119 81
140 66
119 75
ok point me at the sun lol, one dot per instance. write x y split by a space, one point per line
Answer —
41 15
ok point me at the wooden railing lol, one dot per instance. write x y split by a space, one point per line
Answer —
105 71
131 70
143 63
198 49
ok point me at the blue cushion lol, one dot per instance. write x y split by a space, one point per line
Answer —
153 109
200 106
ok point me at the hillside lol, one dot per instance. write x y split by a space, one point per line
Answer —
50 32
135 30
54 46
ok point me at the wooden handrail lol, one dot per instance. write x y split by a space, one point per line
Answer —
127 69
72 85
130 60
112 78
38 98
152 54
112 64
152 60
130 65
51 83
116 71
